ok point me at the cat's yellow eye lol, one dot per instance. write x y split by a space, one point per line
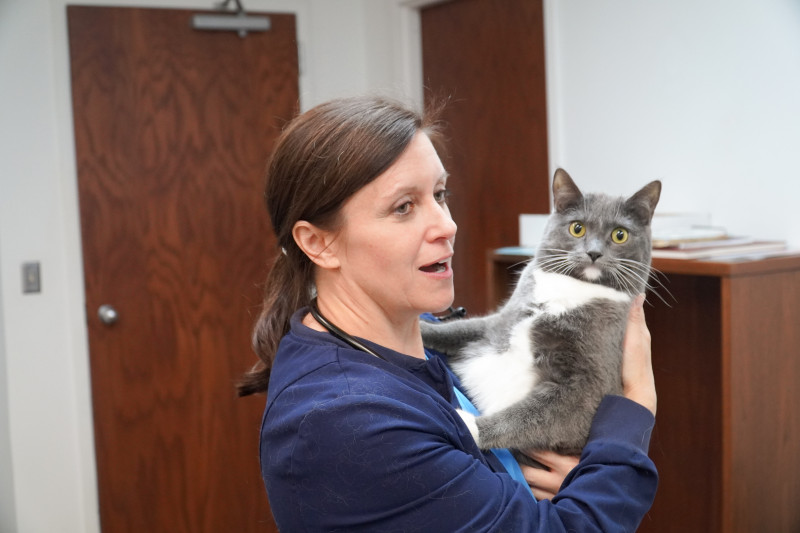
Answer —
619 235
577 229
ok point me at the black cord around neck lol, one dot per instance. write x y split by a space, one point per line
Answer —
339 333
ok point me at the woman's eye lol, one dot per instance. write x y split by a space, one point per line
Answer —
403 209
619 235
577 229
441 196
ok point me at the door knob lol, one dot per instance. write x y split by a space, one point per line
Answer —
108 315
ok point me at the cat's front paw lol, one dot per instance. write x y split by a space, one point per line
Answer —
472 425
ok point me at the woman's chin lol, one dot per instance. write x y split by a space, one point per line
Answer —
442 305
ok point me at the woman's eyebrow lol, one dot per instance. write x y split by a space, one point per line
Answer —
399 189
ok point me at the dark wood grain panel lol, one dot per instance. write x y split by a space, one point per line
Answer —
686 448
487 58
764 396
172 130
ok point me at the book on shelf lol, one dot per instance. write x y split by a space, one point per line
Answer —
707 243
732 247
688 235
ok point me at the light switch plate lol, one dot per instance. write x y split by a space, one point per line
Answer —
31 278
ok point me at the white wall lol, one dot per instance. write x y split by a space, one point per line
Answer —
698 93
39 344
7 507
47 476
702 94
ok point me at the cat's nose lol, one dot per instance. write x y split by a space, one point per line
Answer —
594 255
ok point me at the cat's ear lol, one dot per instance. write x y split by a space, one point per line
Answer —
565 193
643 203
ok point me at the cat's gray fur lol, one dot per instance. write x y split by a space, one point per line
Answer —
538 367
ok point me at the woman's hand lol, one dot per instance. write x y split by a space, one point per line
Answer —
545 483
638 383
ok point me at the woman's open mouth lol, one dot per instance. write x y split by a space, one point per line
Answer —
435 268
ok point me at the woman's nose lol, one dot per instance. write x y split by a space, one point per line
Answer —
443 225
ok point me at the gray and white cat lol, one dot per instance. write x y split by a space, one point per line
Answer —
538 367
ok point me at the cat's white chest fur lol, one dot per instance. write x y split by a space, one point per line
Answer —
494 380
558 293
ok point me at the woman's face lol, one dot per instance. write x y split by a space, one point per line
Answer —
395 245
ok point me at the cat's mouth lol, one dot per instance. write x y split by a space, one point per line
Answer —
592 273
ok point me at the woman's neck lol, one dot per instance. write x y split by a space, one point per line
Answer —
369 321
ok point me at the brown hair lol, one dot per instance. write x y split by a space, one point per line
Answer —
321 159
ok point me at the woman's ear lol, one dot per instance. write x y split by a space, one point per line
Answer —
316 243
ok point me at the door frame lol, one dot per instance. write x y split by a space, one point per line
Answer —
79 387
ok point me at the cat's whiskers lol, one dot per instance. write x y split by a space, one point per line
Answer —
556 261
559 267
655 277
635 268
628 274
518 263
645 274
623 281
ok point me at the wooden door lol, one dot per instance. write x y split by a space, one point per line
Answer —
487 58
172 130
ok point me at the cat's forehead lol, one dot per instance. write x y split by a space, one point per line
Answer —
601 209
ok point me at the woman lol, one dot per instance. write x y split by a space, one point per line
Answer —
360 431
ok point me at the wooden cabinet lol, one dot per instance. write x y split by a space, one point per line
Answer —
726 356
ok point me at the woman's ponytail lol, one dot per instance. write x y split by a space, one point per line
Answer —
287 290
